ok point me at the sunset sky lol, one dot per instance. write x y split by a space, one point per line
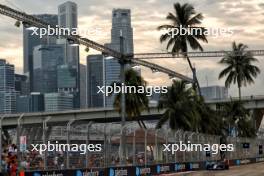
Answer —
245 18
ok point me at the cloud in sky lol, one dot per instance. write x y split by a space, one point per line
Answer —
244 17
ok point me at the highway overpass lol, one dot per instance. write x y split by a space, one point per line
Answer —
249 102
100 115
253 103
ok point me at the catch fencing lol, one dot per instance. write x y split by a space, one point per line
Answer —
142 146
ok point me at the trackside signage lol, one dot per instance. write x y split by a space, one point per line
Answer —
137 170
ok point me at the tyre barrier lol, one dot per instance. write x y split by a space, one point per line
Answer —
150 170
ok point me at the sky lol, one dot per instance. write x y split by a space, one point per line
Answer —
244 17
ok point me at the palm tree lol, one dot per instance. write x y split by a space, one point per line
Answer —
239 68
180 110
184 16
135 102
188 111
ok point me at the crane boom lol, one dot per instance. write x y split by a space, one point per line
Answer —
33 21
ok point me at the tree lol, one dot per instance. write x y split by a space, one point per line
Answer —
135 102
188 111
180 109
235 116
184 16
210 121
239 69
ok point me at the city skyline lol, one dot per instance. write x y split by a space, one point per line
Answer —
146 36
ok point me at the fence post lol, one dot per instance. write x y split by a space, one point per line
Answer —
156 145
105 147
191 159
184 152
68 142
134 148
87 142
122 146
167 156
18 138
175 135
44 130
145 145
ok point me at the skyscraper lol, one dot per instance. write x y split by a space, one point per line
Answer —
30 103
67 18
7 76
58 101
121 25
83 89
214 92
46 60
67 13
7 102
7 87
95 77
30 41
66 78
112 74
21 84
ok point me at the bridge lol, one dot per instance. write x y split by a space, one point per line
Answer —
99 115
106 115
249 102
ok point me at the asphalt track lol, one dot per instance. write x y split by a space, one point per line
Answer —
243 170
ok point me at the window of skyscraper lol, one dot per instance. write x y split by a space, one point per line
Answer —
124 14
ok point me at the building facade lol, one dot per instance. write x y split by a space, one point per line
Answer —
7 88
95 77
21 84
121 26
214 92
68 18
30 103
58 101
30 41
46 60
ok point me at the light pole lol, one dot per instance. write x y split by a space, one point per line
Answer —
123 103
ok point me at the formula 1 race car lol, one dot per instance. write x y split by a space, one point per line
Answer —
218 165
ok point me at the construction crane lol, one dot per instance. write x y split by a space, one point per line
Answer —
191 54
33 21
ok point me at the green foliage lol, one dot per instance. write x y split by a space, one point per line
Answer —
239 69
187 111
236 116
184 15
135 102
